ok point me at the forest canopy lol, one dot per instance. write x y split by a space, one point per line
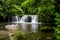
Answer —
21 7
45 9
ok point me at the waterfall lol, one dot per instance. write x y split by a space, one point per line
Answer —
26 20
23 19
15 19
34 19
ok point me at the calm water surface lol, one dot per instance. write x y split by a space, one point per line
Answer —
34 31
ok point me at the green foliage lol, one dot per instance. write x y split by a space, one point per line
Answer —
46 11
43 8
18 36
10 7
57 29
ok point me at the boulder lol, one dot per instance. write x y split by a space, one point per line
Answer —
12 27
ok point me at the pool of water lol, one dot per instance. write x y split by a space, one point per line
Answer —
34 31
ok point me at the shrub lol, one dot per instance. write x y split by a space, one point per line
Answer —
17 36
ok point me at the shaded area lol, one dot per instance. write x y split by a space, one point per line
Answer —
41 32
3 19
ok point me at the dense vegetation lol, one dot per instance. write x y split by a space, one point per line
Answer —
17 36
57 28
45 9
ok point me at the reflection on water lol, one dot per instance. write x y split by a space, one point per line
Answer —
34 27
32 31
23 27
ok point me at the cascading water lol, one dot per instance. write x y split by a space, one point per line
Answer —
15 19
26 20
34 19
34 25
23 19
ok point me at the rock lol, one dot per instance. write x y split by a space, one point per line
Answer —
49 38
12 27
4 35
